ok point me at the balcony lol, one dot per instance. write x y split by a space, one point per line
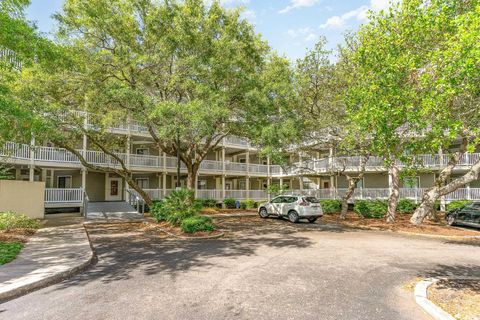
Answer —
51 156
138 128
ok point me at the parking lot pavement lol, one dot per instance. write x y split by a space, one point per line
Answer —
263 269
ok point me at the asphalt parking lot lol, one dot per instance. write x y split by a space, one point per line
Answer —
262 269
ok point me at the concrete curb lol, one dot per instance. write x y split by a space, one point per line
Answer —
192 238
16 290
421 298
231 215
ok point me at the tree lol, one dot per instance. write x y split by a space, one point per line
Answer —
20 44
190 68
452 96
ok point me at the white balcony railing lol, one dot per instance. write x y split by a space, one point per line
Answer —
62 156
68 196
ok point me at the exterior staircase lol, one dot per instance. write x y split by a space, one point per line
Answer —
114 210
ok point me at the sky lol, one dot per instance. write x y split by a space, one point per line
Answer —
290 27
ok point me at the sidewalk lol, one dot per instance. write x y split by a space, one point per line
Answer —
51 255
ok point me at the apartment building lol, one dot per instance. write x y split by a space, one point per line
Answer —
234 169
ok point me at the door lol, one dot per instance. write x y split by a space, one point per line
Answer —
275 206
113 191
289 204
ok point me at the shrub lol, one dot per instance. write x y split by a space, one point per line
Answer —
331 206
371 208
406 206
9 250
457 204
207 203
178 206
10 220
229 203
247 204
196 224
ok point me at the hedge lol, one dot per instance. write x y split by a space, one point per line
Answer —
371 208
331 206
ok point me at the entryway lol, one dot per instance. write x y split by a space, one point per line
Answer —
113 189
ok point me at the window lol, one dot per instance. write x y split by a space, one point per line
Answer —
278 200
359 184
64 182
242 185
142 151
202 184
242 160
290 199
143 183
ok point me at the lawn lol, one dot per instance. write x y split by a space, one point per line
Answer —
9 250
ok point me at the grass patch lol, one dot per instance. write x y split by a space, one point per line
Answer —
9 250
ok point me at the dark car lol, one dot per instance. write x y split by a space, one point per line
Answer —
468 215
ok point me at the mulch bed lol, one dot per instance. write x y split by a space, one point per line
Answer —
151 228
460 298
213 211
16 235
402 224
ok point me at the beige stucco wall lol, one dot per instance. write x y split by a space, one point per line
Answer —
23 197
96 186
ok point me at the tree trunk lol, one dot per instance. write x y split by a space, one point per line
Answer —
351 189
394 174
140 191
192 171
438 191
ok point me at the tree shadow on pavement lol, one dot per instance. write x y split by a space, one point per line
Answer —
122 251
456 277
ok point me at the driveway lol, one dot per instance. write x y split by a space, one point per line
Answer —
266 269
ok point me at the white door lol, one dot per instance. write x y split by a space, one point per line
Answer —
113 191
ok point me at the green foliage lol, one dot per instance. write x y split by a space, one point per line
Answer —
406 206
10 220
371 208
230 203
197 224
5 173
457 204
331 206
247 204
178 206
277 189
9 250
207 203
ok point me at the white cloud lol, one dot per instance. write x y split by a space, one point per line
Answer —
306 34
359 14
250 15
295 4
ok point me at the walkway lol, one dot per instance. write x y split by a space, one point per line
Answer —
51 255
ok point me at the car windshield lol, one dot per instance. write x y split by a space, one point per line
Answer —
312 199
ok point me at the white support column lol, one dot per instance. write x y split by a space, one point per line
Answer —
223 170
84 153
247 187
164 184
52 178
31 176
84 178
44 175
269 176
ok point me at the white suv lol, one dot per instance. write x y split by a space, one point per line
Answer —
294 207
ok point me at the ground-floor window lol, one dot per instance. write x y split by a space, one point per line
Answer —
64 182
143 183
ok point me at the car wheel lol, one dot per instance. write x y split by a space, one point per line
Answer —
293 216
312 220
263 213
451 220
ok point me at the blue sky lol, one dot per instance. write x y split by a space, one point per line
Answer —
289 26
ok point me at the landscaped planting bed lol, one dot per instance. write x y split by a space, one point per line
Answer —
402 224
15 229
460 298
